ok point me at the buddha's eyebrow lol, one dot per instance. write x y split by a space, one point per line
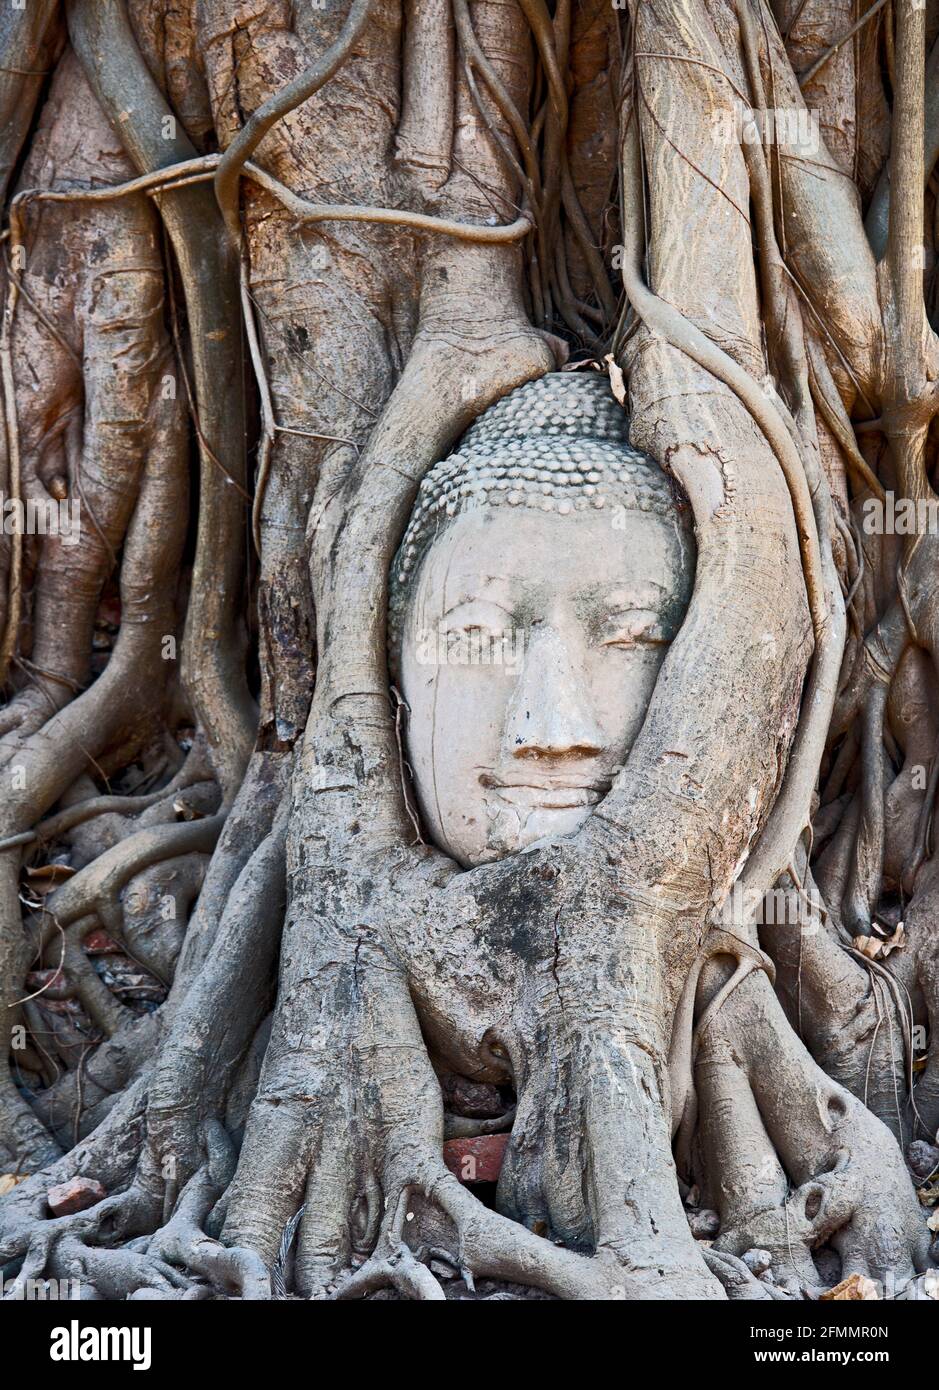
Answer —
479 588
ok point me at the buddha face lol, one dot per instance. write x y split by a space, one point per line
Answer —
530 645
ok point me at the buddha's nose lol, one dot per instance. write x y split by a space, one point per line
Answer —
550 713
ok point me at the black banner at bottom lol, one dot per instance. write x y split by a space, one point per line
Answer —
168 1338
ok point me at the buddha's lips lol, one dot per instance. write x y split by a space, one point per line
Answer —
551 793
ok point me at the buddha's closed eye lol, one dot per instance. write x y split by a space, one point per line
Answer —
638 627
477 616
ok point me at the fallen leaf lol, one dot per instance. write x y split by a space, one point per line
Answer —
856 1288
931 1284
9 1180
47 877
617 380
894 942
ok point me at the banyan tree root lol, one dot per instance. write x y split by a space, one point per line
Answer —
121 1248
91 369
122 707
560 973
791 1160
788 1157
604 1193
581 1226
163 1147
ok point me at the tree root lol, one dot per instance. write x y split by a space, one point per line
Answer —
214 641
792 1160
176 1106
485 1244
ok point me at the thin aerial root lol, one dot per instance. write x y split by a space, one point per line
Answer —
13 480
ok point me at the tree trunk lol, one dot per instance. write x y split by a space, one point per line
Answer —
295 252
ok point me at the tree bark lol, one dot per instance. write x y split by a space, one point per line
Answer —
296 252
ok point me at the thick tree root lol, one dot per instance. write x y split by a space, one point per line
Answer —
124 1246
792 1160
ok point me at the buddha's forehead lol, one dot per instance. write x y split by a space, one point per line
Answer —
545 495
490 553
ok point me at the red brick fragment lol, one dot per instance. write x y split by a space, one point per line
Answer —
98 943
476 1160
66 1198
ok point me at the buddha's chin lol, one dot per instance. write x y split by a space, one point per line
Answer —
514 829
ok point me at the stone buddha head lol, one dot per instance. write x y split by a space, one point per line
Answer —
545 569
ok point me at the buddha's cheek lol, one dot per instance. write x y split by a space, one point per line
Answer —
455 733
621 692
